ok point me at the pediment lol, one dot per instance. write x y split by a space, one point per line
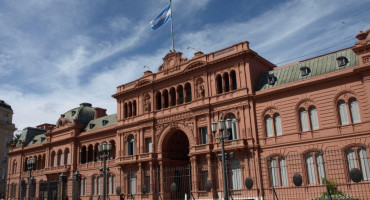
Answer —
195 65
143 82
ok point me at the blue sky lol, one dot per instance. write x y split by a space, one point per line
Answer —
56 54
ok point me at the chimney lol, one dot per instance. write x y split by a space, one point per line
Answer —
100 112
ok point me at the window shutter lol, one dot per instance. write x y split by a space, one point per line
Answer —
320 167
355 112
274 176
314 118
303 117
343 113
351 158
268 123
283 172
278 125
310 169
364 164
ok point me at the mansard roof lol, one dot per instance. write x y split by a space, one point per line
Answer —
38 139
29 134
101 122
84 113
318 66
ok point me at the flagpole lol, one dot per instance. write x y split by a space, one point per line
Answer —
173 43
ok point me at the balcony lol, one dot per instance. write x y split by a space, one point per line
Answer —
147 156
128 159
231 145
57 169
95 165
203 148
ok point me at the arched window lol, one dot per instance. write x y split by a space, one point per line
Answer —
130 109
233 133
67 157
303 119
273 125
219 84
355 112
343 114
14 167
268 124
53 159
226 81
90 153
113 151
233 80
277 123
165 98
358 155
83 155
173 96
60 158
315 167
313 118
125 110
188 92
134 108
180 94
278 171
130 145
39 162
158 99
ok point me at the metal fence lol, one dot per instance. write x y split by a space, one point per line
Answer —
343 173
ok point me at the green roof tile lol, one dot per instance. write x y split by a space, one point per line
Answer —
318 66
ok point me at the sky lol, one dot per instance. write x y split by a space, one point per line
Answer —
55 55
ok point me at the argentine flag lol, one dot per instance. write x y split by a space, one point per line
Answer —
162 18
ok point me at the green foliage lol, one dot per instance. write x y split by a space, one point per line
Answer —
14 141
335 193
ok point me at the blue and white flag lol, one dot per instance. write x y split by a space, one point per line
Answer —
162 18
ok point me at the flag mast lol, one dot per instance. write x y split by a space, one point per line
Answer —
173 43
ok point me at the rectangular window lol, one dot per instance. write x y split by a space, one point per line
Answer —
203 135
132 183
320 167
364 162
203 180
148 143
310 169
343 113
235 175
355 112
147 183
283 172
273 171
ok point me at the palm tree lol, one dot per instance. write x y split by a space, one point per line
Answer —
14 141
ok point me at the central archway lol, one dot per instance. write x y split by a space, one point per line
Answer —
175 149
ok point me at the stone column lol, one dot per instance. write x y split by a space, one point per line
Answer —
194 172
210 169
161 178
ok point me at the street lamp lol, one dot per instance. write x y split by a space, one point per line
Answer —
104 152
222 125
30 163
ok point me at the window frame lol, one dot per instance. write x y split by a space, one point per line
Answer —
317 178
273 125
277 171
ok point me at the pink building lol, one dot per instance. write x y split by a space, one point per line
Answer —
308 119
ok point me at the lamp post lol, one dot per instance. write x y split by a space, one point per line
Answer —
30 163
104 152
222 125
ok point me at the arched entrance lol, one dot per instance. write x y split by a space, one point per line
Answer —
176 162
176 149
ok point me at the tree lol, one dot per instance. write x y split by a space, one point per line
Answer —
14 141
